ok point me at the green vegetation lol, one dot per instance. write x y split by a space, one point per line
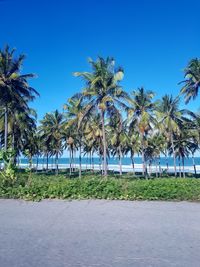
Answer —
43 186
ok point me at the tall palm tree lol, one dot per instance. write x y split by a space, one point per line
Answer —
14 87
171 119
192 81
141 116
102 92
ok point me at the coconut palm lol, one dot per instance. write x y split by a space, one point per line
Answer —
171 119
183 145
74 109
51 130
192 81
102 92
14 87
93 136
140 115
117 136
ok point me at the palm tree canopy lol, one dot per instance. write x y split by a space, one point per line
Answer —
192 80
14 86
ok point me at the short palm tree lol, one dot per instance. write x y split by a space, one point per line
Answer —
51 129
74 109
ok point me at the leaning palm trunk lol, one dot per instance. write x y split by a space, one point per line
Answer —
6 128
104 144
174 155
194 165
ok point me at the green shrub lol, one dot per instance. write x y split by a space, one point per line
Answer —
41 186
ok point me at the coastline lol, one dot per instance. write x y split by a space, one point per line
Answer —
113 167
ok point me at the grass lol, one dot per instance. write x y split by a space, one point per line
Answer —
93 186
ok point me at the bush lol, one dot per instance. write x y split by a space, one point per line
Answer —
39 187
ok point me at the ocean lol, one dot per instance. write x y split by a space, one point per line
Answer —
111 161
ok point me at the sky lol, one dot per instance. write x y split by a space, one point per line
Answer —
152 40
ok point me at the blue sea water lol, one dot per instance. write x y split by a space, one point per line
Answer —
112 161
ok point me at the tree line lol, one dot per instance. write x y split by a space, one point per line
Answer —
102 119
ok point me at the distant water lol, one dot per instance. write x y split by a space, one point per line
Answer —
112 161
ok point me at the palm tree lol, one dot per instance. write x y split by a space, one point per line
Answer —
194 132
117 136
140 115
93 135
102 92
51 129
133 145
14 88
183 144
192 81
170 118
74 109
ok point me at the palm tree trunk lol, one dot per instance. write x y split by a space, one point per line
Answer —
92 161
80 163
86 161
47 164
104 144
167 164
56 163
37 161
156 169
150 168
6 128
143 158
183 165
43 162
179 163
13 140
133 163
100 162
194 165
120 161
70 161
30 162
159 166
174 156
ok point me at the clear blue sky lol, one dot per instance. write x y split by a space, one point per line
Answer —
152 40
